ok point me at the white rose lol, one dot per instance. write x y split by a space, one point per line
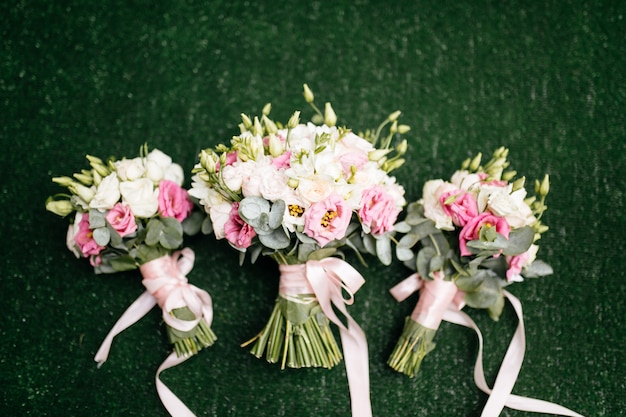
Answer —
107 193
174 173
129 169
274 185
464 180
219 214
522 215
159 158
484 194
72 231
141 197
500 202
154 171
314 190
433 189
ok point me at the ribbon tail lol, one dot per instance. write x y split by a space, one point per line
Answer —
170 401
139 308
500 396
357 369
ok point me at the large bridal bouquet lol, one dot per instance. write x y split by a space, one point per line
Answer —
131 214
299 194
467 239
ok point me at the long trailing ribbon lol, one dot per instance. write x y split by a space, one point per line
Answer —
328 278
166 285
500 395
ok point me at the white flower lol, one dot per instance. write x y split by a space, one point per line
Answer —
500 202
315 189
129 169
174 173
72 231
141 196
465 181
294 212
107 193
484 196
434 189
274 185
219 214
231 176
159 158
522 215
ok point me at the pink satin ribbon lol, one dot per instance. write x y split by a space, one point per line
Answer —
500 395
166 283
327 279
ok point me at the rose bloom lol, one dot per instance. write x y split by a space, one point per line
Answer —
378 210
129 169
219 214
107 193
471 231
121 219
462 209
238 232
315 189
141 197
84 238
327 220
173 201
433 190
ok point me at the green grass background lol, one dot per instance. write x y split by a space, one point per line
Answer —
545 79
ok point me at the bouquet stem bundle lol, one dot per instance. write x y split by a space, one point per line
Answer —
298 333
188 343
416 340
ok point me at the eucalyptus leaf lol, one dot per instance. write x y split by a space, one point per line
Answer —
519 241
276 214
154 229
275 240
171 237
116 240
383 250
369 242
423 260
402 227
123 263
96 219
193 223
469 283
250 208
404 254
495 310
486 295
322 253
537 269
207 226
408 240
102 236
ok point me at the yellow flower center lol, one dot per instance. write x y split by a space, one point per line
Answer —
328 217
295 210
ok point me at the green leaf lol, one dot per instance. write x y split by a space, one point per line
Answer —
519 241
154 229
495 310
171 237
96 219
102 236
404 254
322 253
537 269
402 227
207 226
383 250
409 240
276 239
123 263
486 295
423 260
276 214
193 223
469 283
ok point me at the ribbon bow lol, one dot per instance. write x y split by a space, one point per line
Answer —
328 278
500 395
166 284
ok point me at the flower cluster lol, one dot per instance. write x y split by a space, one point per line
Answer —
130 213
299 193
295 192
477 231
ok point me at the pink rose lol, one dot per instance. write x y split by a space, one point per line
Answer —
121 218
173 201
238 232
471 230
327 220
378 210
463 207
352 159
84 238
516 263
282 161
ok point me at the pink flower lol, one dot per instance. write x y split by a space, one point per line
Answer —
497 183
471 230
378 210
282 161
349 160
462 209
173 201
84 238
238 232
327 220
121 218
516 263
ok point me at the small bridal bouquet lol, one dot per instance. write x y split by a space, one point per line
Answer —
300 194
467 239
131 214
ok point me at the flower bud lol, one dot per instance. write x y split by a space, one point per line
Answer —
247 123
98 166
330 118
544 188
63 181
518 184
267 109
59 207
509 175
377 154
258 129
84 178
393 164
475 163
294 120
402 129
394 116
207 160
293 183
84 193
270 126
275 145
402 147
308 94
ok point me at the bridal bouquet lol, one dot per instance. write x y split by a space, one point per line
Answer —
467 239
299 194
131 214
